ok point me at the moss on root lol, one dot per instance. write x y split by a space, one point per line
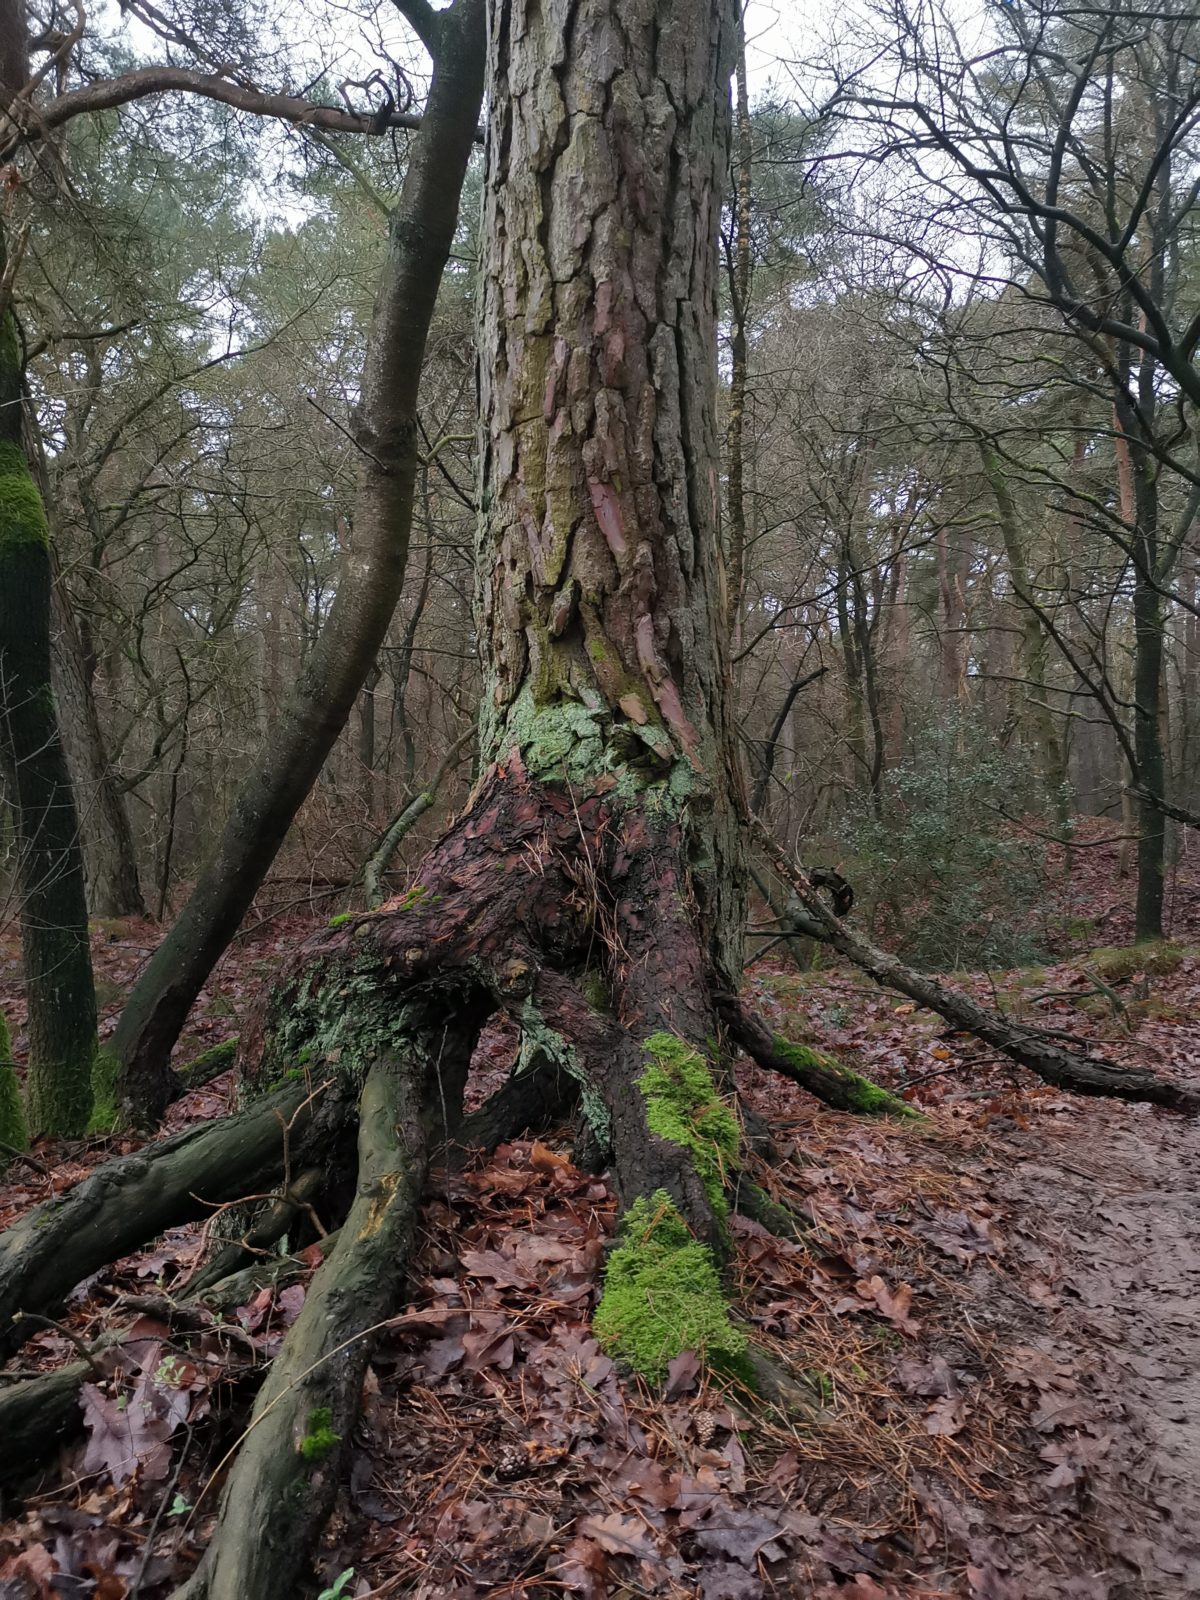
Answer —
320 1440
13 1130
683 1107
209 1063
855 1093
663 1295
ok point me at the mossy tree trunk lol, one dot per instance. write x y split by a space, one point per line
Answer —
54 933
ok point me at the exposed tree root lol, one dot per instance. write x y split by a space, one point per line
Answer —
209 1064
754 1202
123 1205
35 1414
267 1229
1031 1047
582 919
828 1080
285 1475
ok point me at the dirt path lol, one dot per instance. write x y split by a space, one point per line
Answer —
1107 1211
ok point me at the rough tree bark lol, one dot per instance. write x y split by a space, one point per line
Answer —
54 934
369 582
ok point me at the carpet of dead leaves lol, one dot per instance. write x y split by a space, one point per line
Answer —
993 1314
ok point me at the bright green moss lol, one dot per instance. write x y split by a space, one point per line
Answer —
22 514
320 1440
683 1107
342 918
662 1295
13 1131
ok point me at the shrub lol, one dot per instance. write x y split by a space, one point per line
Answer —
943 875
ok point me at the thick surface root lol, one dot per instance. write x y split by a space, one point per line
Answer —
283 1480
36 1413
128 1202
826 1079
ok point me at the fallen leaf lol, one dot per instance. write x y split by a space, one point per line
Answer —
946 1417
620 1536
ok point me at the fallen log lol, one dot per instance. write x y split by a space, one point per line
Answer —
128 1202
1031 1047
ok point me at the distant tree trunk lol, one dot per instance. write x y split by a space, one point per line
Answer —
369 583
1047 737
1137 481
739 350
54 931
1148 628
109 855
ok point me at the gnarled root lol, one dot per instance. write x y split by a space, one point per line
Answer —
826 1079
128 1202
284 1478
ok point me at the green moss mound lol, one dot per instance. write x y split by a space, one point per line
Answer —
1117 963
662 1295
682 1106
13 1130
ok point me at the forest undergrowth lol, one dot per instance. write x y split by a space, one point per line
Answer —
989 1313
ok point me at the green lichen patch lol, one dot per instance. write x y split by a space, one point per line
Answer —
662 1295
339 1017
320 1440
14 1134
683 1107
540 1042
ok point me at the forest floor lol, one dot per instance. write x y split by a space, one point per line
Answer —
994 1313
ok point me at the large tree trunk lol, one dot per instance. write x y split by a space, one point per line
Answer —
54 932
369 583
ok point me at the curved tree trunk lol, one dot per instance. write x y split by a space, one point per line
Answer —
370 579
